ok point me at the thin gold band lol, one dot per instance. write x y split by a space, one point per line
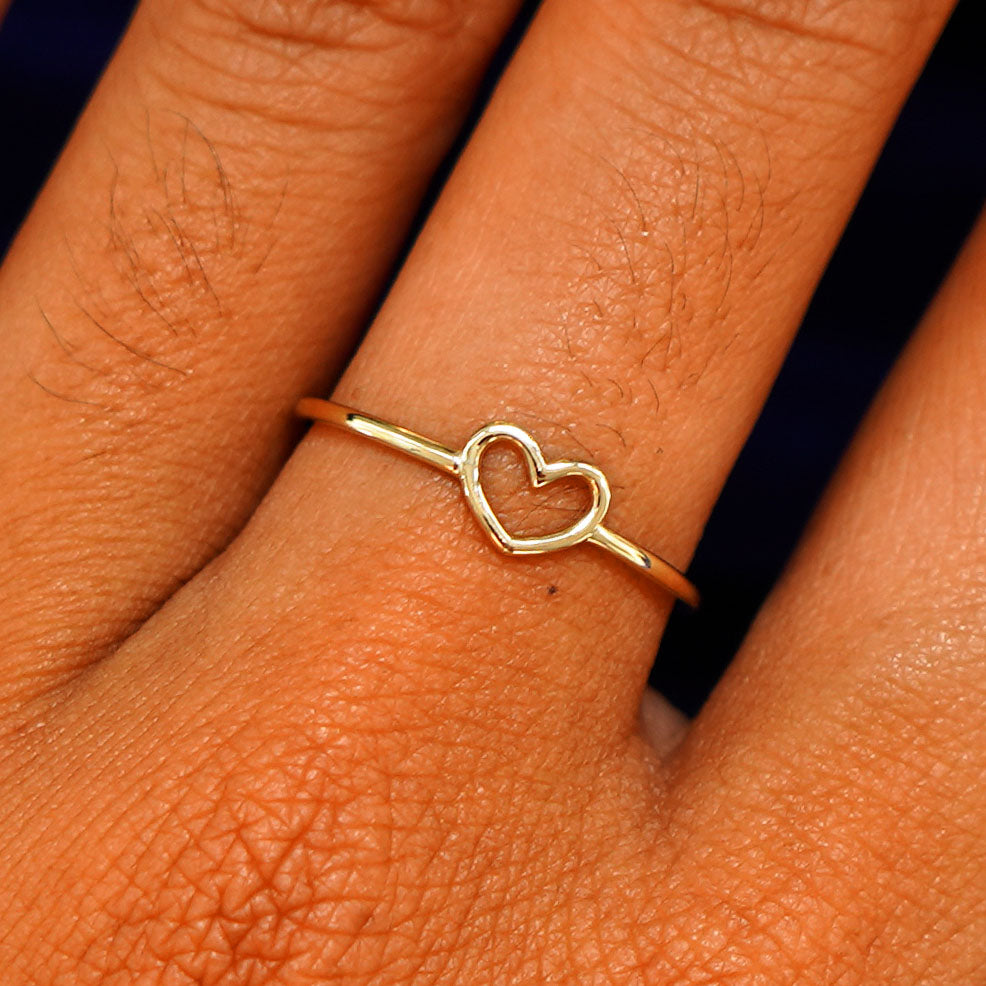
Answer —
464 465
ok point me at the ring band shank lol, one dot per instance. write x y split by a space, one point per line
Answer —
441 457
393 436
661 571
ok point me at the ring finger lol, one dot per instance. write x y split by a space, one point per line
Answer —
617 265
360 695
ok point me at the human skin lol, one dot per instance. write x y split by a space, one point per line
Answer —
287 721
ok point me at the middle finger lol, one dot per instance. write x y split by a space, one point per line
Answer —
216 230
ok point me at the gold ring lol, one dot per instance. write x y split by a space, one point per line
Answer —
464 465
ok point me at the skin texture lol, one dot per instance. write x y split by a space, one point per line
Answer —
312 728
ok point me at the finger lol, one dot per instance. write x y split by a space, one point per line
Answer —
360 727
861 685
213 236
617 265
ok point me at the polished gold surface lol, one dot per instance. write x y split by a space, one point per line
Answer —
465 466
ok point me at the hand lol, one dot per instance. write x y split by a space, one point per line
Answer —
294 723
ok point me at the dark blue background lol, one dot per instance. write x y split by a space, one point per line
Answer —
923 198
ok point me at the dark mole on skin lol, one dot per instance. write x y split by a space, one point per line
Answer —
552 589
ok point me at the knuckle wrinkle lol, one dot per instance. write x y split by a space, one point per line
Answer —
863 24
332 24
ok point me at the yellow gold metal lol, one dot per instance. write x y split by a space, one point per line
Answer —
465 465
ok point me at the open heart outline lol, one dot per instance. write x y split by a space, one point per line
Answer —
541 473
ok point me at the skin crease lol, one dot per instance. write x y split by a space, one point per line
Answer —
359 747
227 157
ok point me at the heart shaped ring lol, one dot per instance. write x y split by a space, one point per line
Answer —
465 465
541 474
